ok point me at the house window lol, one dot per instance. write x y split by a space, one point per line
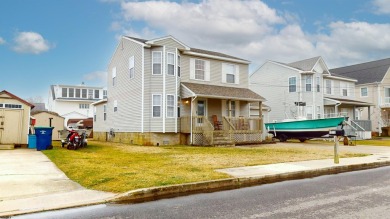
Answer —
84 106
170 106
104 93
328 86
171 64
318 84
12 106
199 69
292 84
71 92
131 67
157 59
113 76
344 89
363 91
178 66
178 106
308 82
318 111
115 105
78 93
104 112
156 98
309 112
229 73
90 93
97 94
64 92
84 93
232 108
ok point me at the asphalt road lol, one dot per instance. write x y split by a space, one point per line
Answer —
361 194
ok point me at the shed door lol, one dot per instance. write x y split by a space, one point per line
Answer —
10 126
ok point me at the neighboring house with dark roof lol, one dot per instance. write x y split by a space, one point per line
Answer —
73 101
162 91
307 89
39 107
373 84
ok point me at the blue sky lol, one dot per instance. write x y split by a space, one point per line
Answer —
46 42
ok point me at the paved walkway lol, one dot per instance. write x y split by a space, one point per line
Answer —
30 182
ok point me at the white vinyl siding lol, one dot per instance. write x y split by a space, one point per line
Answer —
230 73
170 106
131 67
170 63
309 112
200 69
156 105
157 62
292 84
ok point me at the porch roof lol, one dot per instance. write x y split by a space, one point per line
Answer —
218 92
333 101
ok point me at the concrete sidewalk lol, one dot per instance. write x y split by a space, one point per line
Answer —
30 182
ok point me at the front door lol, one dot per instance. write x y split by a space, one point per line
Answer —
201 110
10 126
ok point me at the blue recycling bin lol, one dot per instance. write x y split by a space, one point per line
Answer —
32 141
44 137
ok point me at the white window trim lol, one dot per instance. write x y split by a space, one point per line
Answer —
161 62
295 84
361 91
311 83
173 106
157 105
192 69
178 61
236 73
331 87
318 84
174 60
131 67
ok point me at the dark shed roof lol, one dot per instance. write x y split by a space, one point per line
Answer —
368 72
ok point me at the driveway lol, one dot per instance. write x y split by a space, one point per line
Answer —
29 181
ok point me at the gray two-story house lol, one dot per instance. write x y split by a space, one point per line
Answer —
162 92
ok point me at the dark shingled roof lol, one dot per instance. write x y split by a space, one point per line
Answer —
195 50
223 92
305 65
368 72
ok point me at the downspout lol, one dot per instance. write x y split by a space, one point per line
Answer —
379 108
336 109
191 135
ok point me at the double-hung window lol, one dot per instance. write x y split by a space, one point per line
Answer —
71 92
178 66
156 110
157 60
96 94
292 84
199 69
308 82
318 84
328 86
84 93
232 108
64 92
229 72
78 93
104 112
170 63
363 91
131 67
170 106
344 89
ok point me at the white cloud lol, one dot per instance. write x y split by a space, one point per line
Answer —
252 30
30 42
382 6
98 78
2 41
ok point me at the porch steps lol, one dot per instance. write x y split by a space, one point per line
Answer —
220 139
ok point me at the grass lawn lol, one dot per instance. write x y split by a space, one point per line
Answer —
116 167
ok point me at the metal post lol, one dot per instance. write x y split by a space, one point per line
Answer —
336 150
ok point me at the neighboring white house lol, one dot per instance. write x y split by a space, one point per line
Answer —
308 89
373 85
74 101
162 91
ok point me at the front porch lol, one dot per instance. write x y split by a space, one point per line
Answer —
227 131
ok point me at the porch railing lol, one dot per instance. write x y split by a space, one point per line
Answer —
332 115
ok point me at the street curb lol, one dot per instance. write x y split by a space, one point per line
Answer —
156 193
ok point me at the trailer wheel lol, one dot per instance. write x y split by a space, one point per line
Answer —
283 138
